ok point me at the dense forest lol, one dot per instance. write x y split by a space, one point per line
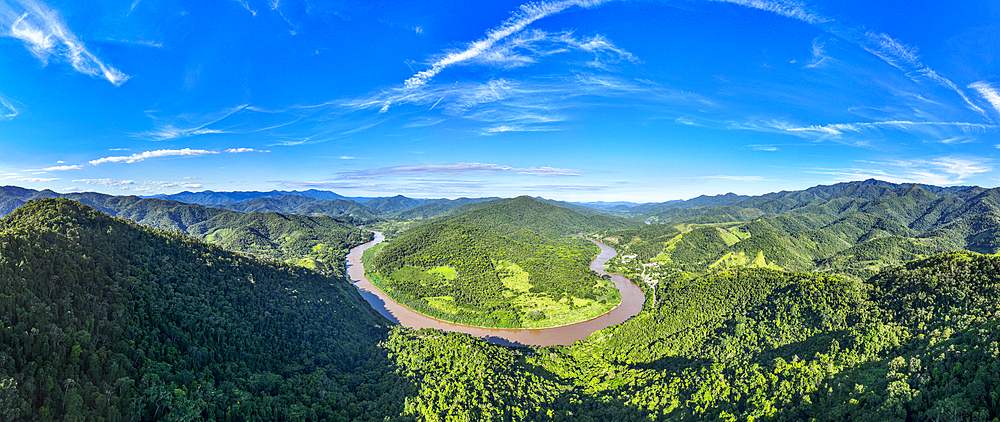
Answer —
318 242
103 319
867 301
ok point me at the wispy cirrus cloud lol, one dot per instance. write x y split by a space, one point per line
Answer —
819 56
529 46
882 45
455 169
988 92
520 19
790 9
46 35
175 130
241 150
7 110
945 132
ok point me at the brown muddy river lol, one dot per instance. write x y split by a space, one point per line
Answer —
632 300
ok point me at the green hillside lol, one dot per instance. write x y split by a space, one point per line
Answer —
916 343
301 205
509 217
856 229
318 242
503 264
103 319
810 315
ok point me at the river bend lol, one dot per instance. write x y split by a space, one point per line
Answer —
632 301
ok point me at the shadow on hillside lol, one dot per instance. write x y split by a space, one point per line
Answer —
573 404
805 349
672 363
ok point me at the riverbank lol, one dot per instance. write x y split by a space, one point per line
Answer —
631 303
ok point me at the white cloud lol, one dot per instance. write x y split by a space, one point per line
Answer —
899 55
7 110
457 168
838 130
60 168
528 14
240 150
989 92
152 154
141 185
819 55
788 9
247 7
938 171
170 131
46 35
19 178
105 182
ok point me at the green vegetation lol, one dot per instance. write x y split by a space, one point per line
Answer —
496 266
103 319
474 276
301 205
290 238
834 304
915 343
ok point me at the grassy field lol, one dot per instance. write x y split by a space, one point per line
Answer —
540 310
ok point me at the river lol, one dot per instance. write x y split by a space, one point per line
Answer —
632 301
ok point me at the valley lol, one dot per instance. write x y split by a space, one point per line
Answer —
858 301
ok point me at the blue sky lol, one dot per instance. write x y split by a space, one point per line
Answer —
575 100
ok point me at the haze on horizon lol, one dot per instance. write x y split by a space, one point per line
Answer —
580 100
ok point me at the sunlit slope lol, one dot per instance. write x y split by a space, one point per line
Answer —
505 264
857 231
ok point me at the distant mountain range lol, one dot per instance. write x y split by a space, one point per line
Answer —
856 228
315 241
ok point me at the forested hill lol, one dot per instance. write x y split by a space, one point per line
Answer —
211 198
503 263
857 230
732 207
319 242
301 205
508 217
104 319
915 343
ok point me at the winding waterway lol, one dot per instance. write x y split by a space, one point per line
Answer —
632 300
